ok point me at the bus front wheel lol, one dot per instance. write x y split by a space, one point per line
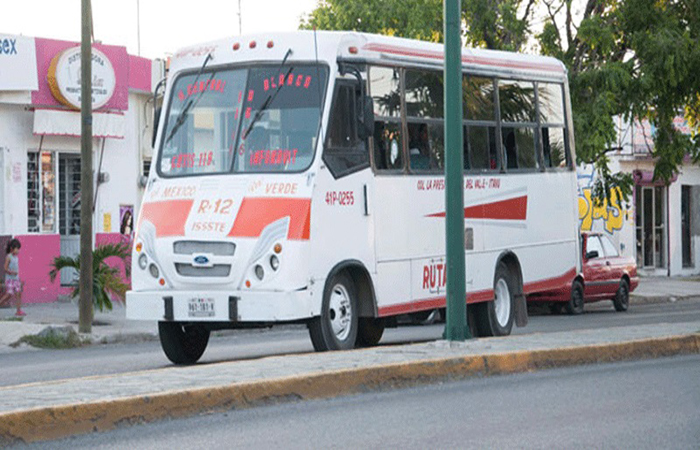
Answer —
183 343
336 327
495 318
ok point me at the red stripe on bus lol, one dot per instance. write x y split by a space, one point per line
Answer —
168 216
511 209
431 303
403 51
476 297
258 212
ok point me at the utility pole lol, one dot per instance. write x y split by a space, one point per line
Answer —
85 318
456 321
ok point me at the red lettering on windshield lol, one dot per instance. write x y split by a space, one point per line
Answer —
273 157
214 85
190 160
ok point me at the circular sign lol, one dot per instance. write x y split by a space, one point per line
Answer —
64 78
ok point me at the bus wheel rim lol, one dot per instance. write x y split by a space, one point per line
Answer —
502 302
340 312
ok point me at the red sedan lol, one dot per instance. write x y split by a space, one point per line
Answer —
606 275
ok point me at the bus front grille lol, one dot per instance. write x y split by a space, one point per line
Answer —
217 270
197 247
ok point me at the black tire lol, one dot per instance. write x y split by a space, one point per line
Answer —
370 331
336 327
622 296
183 343
495 318
575 304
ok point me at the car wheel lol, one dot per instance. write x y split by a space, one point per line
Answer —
183 343
370 331
575 304
495 318
336 327
622 296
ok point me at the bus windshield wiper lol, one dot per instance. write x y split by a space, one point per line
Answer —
269 98
190 103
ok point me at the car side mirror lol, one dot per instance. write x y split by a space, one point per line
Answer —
366 119
592 254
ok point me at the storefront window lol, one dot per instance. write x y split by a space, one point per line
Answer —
41 192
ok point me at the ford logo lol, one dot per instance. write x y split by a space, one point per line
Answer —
201 259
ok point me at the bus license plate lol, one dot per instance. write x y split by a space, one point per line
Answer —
201 307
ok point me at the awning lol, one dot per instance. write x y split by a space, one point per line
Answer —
53 122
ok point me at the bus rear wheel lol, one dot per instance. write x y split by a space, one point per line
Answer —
183 343
495 318
336 327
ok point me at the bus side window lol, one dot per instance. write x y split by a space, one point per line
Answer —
553 131
517 108
345 152
479 109
482 147
388 144
385 89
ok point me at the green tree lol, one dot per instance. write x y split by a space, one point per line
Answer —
106 281
417 19
635 58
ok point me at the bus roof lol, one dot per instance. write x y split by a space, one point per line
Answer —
329 46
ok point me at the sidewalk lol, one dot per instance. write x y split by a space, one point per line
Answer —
108 326
112 326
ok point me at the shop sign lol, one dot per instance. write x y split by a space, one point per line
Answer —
64 78
18 63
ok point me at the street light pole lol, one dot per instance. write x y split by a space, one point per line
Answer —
456 320
85 317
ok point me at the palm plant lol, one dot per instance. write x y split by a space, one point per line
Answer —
106 281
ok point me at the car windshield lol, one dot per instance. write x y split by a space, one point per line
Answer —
261 119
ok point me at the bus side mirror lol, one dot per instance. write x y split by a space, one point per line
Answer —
156 118
592 254
366 119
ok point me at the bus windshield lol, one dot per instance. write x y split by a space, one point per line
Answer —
258 119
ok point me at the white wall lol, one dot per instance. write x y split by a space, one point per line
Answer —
15 136
122 160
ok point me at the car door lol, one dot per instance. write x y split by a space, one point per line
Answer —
615 263
596 270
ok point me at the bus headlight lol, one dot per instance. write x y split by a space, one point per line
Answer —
274 262
154 270
143 261
259 272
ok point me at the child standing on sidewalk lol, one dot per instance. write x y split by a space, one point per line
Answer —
13 285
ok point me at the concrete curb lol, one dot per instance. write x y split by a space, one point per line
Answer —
652 299
57 422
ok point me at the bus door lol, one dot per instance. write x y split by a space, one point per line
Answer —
343 207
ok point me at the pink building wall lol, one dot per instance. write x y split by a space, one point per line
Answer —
37 254
35 258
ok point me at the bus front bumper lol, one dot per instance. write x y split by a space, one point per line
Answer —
217 306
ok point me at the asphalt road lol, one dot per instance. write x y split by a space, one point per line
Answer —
45 365
642 404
